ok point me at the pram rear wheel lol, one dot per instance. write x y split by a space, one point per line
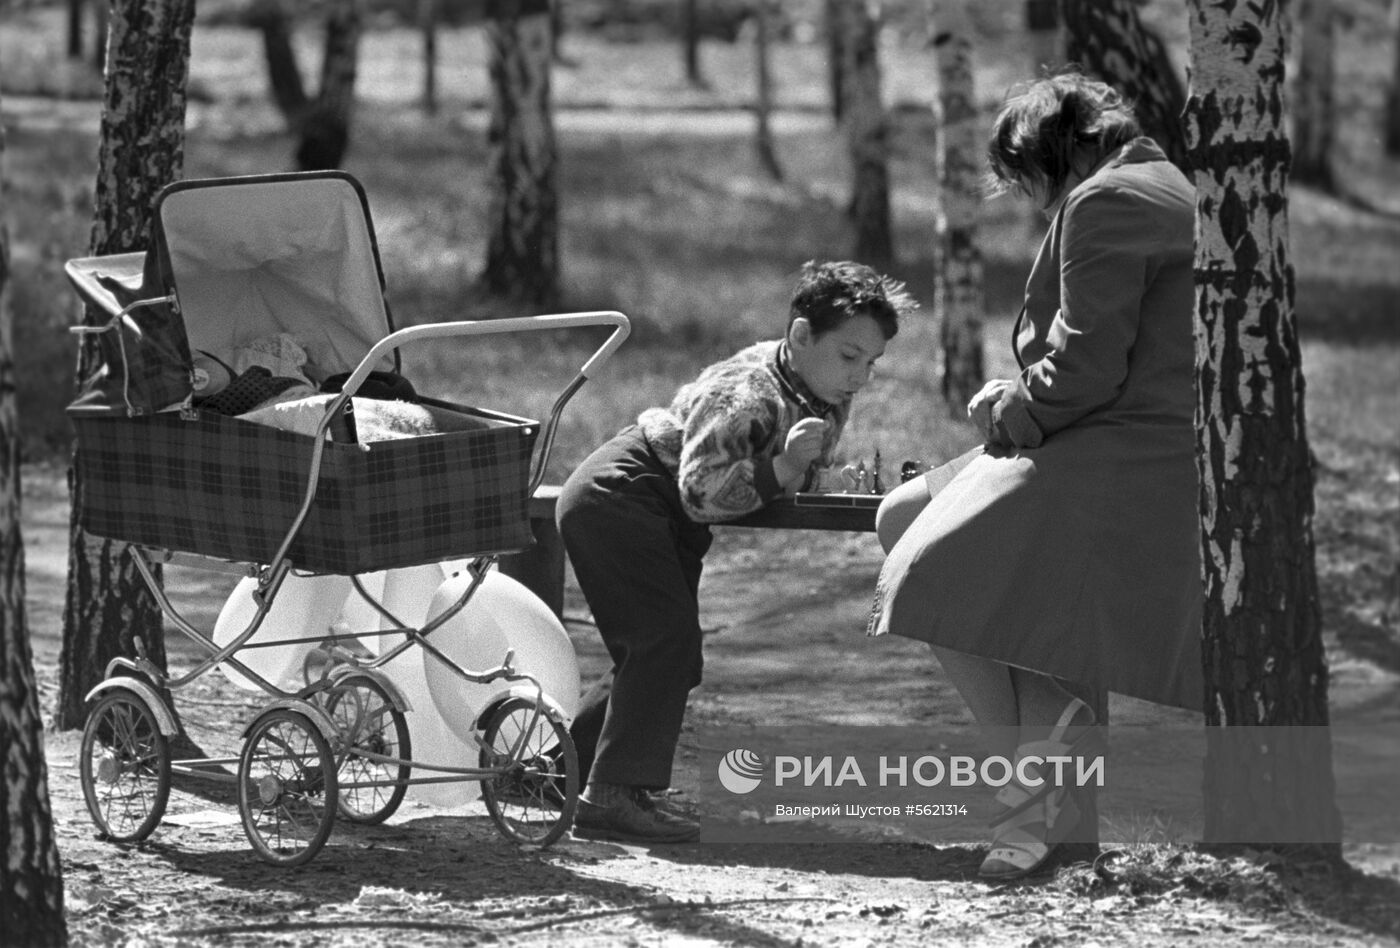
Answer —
368 724
124 767
534 793
286 787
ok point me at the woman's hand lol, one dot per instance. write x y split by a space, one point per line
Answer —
979 410
802 447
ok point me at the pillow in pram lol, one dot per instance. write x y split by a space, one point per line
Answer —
375 419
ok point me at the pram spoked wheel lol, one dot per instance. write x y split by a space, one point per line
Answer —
534 795
124 766
286 787
369 727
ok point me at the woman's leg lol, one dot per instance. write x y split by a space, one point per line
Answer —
1040 700
988 689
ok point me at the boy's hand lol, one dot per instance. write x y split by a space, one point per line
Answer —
803 446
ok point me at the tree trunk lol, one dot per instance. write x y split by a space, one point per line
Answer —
867 135
102 11
959 301
1392 98
1313 109
522 257
325 127
836 42
690 43
1045 28
75 28
283 74
427 23
1268 760
763 104
31 876
1108 39
141 149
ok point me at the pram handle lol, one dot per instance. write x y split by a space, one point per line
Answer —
482 327
476 327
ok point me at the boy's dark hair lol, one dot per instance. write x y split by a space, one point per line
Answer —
1041 125
828 294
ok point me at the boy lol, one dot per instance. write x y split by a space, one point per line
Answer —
633 517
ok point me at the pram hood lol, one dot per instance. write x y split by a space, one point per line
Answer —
246 259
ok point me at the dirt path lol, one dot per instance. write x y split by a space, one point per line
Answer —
445 876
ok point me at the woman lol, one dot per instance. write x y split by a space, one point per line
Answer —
1065 550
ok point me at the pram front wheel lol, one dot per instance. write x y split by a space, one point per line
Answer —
286 787
370 728
533 794
124 767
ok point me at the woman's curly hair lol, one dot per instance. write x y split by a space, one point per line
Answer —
1042 125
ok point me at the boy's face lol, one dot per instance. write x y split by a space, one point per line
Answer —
837 364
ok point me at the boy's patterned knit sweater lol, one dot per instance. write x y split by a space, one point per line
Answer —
722 431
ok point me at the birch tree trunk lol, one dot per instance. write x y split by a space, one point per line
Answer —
959 301
325 126
867 134
1268 764
31 876
690 43
284 82
1392 98
141 149
75 28
1312 100
763 100
427 25
1045 27
522 256
101 31
1109 40
834 18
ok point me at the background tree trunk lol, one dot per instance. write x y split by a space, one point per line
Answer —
1313 108
836 41
101 13
1262 641
867 134
284 81
427 24
31 876
763 101
141 149
1109 40
325 126
690 43
959 301
522 256
1045 27
75 28
1392 99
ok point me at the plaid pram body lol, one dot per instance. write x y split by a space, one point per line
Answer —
219 486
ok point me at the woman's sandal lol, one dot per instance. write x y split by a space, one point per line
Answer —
1036 820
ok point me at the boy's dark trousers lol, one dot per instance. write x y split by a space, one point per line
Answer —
638 559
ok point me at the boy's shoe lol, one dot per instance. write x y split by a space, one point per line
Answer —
632 816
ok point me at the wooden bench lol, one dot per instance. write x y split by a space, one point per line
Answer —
541 568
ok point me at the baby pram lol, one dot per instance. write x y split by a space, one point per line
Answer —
237 260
